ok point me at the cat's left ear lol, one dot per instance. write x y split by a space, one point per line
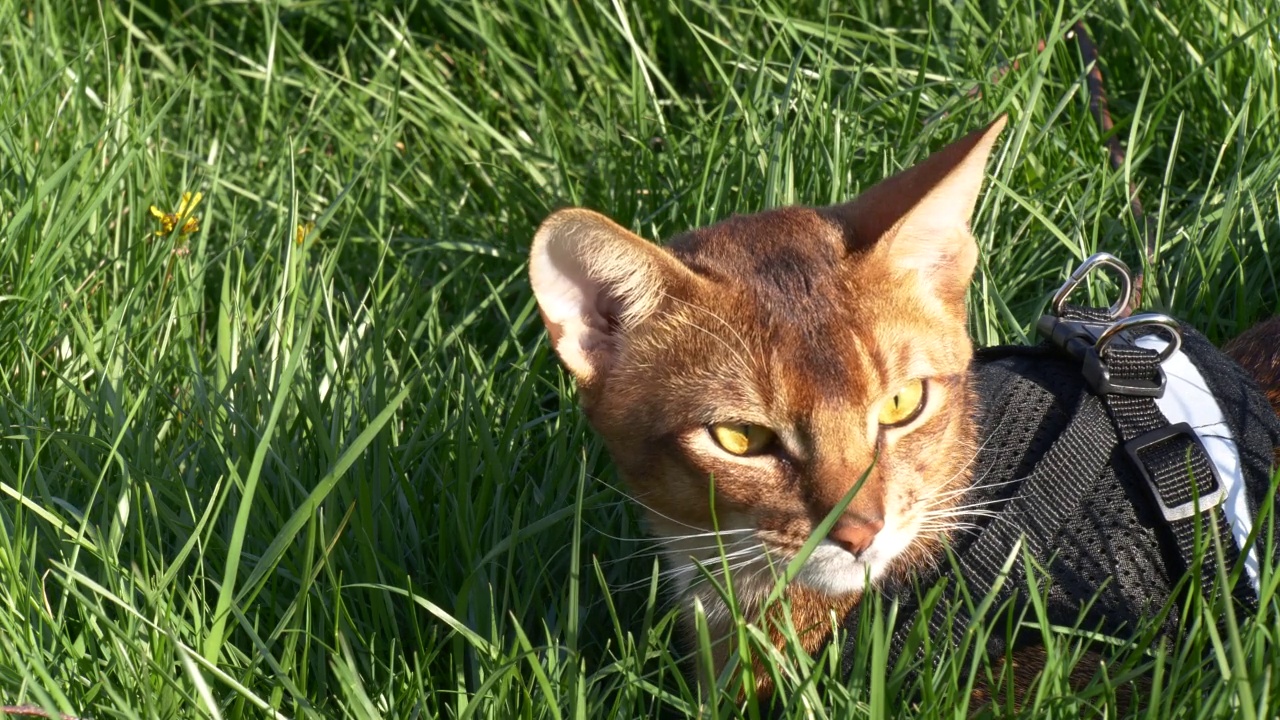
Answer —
919 218
596 281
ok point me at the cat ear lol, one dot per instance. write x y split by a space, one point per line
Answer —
919 218
594 279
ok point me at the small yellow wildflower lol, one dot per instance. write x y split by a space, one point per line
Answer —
303 230
185 219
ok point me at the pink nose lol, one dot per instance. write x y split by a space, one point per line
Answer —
856 535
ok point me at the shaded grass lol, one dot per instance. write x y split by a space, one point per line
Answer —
247 476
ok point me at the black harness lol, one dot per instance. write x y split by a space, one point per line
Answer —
1080 470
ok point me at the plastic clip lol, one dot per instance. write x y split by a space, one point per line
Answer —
1098 374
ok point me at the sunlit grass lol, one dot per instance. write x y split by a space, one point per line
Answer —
247 475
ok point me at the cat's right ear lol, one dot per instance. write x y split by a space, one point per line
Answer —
595 280
919 218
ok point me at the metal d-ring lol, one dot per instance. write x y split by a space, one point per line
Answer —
1136 321
1117 308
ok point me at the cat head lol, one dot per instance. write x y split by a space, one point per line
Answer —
761 367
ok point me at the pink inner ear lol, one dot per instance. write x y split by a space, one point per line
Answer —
944 259
590 276
608 308
583 330
579 310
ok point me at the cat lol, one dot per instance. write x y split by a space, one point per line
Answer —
1258 351
748 375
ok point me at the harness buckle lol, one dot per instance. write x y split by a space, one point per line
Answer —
1099 375
1076 337
1205 501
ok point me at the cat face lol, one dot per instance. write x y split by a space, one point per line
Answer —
749 376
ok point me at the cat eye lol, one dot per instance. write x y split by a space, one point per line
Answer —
742 439
904 406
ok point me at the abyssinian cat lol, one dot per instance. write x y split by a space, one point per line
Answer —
770 362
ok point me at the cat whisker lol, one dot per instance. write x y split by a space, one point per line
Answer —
969 488
660 551
723 531
959 516
710 550
969 517
733 549
663 582
937 525
736 560
718 558
958 509
946 491
935 508
949 522
687 574
636 499
630 558
690 571
689 536
736 570
973 509
944 497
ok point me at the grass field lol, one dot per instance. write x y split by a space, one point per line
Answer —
314 459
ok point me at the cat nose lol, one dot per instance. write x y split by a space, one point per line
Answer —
856 535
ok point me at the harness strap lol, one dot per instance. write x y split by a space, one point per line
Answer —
1180 475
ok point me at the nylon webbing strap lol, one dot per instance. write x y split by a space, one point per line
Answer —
1086 314
1171 458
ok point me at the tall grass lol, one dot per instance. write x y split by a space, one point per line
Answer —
247 474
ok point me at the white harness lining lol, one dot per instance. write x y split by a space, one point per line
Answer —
1187 399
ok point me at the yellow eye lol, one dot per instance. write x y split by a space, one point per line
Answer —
742 439
904 405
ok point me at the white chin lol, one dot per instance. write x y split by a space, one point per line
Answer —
834 571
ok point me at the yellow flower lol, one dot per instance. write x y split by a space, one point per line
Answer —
185 218
303 230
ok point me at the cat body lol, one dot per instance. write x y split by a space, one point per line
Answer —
1258 351
749 376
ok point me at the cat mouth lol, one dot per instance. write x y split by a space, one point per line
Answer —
833 569
756 556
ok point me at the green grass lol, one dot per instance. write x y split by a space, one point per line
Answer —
242 476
